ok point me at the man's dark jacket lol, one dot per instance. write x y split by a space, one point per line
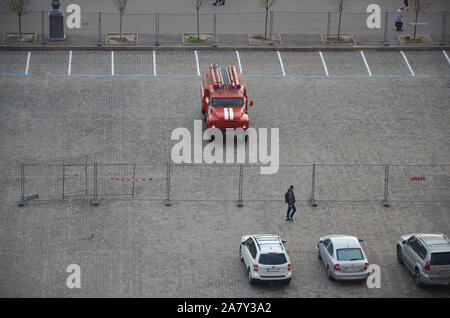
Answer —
290 197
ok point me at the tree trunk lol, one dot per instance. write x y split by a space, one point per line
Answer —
265 28
198 24
20 25
415 25
120 27
340 16
339 26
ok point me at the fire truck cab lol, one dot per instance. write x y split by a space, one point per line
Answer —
224 98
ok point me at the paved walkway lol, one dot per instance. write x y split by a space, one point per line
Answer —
300 24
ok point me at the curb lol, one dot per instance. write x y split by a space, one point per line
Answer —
221 48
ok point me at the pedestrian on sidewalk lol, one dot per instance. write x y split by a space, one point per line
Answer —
399 19
406 4
215 3
290 200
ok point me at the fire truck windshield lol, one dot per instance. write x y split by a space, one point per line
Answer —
226 102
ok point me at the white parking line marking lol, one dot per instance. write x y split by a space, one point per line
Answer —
239 61
324 64
407 63
28 63
154 62
69 71
446 56
196 59
281 63
112 62
365 62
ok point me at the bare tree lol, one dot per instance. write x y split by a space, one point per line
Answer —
419 6
267 4
198 4
121 6
19 8
340 7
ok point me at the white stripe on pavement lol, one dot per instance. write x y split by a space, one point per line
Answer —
154 62
69 71
28 63
365 62
324 64
446 56
112 62
196 59
281 63
239 61
407 63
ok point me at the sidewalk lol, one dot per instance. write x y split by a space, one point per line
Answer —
299 25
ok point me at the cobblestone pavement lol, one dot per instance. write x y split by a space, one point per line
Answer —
142 248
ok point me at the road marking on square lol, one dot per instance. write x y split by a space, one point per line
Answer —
28 63
196 60
281 63
407 63
239 61
69 71
112 62
154 63
365 62
324 64
446 56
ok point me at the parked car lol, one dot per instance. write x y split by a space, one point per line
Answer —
265 258
427 256
343 257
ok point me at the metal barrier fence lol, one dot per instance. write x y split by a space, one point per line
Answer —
295 28
240 183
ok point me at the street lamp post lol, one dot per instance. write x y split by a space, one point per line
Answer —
56 23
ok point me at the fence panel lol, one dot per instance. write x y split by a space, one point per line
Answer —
419 183
115 180
87 34
151 184
272 187
74 181
204 182
349 183
43 180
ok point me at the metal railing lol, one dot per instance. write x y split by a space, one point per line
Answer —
239 183
227 29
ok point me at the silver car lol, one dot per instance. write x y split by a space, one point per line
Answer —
427 256
343 257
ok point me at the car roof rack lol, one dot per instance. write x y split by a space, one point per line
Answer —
437 241
271 241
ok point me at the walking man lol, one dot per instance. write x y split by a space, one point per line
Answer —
399 19
290 200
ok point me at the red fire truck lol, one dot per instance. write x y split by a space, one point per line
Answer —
224 98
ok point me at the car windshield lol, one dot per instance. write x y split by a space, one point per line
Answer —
349 254
224 102
272 259
440 259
